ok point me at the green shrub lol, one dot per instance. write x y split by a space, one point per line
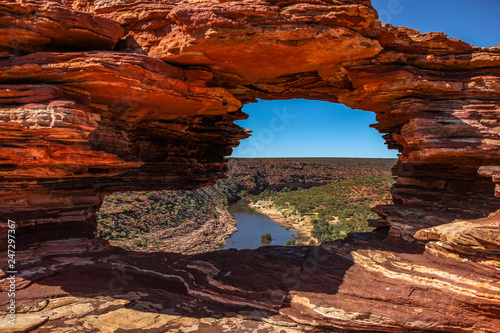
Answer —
266 237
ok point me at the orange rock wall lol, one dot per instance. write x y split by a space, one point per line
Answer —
104 96
99 97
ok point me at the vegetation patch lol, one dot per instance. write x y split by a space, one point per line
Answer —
266 238
334 210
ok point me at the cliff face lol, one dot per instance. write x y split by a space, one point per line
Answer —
104 96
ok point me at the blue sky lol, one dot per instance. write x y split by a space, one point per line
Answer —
301 128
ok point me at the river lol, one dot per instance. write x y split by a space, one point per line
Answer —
252 225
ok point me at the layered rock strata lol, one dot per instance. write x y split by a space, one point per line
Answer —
104 96
359 284
107 121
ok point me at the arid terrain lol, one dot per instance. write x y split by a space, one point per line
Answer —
199 221
328 212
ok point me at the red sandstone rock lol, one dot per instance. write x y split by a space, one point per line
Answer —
90 125
358 284
30 26
131 95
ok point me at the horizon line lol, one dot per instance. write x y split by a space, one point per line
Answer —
387 158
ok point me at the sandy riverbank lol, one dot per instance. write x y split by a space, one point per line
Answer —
300 223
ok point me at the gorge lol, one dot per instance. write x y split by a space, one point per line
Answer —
191 222
99 97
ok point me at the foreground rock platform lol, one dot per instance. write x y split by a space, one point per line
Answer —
143 95
357 284
104 96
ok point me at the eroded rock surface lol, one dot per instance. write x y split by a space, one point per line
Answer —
358 284
104 96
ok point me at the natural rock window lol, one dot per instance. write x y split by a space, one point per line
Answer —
98 97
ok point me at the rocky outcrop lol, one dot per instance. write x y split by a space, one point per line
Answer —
105 116
358 284
104 96
157 111
32 26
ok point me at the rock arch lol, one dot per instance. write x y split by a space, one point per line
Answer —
97 97
150 102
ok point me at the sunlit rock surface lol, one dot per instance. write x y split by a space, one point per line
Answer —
359 284
104 96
